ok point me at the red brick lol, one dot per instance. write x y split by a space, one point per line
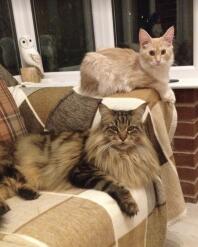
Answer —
187 173
186 95
189 159
189 128
189 188
193 199
185 143
187 111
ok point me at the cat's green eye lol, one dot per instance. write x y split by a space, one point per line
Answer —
152 53
163 51
114 128
132 129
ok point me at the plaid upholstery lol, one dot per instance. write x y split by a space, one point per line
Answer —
7 77
90 218
11 122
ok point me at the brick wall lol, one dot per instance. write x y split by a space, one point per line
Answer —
186 142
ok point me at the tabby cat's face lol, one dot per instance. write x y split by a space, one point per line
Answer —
122 129
157 51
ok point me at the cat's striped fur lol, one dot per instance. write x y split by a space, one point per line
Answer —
38 162
12 181
114 156
117 155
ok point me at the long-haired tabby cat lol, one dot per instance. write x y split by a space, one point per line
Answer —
115 70
117 155
114 156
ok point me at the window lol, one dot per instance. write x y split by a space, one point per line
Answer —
155 16
9 55
64 32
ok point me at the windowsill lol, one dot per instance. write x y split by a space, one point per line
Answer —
53 79
73 78
185 83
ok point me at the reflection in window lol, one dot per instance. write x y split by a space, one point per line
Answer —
9 54
155 16
64 32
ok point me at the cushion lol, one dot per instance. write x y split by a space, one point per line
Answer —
35 103
11 122
7 77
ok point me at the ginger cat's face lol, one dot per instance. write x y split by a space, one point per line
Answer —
157 51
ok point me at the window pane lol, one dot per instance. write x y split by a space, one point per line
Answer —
9 54
64 32
155 16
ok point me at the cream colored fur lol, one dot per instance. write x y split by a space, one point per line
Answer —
114 70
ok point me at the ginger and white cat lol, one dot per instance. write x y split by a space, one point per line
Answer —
113 70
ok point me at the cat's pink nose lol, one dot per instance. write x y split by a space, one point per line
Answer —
158 62
123 136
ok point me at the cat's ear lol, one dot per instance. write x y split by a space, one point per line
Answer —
139 111
106 113
169 35
144 38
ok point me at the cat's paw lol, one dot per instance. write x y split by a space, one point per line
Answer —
169 97
127 203
129 207
28 193
4 208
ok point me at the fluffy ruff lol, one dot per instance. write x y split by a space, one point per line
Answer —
134 167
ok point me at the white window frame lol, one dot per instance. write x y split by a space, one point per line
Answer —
104 36
189 72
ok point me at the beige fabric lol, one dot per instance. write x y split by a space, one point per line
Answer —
58 219
24 211
174 197
48 98
136 237
86 218
156 235
15 240
148 95
145 234
73 223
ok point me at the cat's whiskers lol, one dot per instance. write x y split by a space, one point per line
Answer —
105 147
